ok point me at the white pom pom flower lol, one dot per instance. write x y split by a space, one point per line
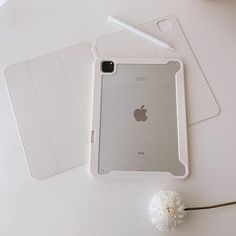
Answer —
167 210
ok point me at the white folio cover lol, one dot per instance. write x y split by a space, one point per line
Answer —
157 159
201 103
52 100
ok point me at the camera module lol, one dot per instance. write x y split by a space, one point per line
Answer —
107 66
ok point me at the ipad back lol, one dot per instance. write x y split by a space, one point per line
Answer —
138 119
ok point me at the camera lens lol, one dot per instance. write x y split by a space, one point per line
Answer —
107 66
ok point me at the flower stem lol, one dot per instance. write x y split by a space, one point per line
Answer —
209 207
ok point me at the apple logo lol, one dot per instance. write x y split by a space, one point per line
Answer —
140 114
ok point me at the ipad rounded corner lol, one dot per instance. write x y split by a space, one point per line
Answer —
186 175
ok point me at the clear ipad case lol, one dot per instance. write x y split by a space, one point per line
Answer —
139 119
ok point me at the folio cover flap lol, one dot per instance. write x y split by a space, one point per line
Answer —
52 100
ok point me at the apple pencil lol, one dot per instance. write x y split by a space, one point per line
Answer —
140 33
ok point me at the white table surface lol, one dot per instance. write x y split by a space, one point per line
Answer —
74 203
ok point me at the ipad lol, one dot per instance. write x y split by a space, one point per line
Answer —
139 118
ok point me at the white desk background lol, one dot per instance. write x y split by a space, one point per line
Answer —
74 203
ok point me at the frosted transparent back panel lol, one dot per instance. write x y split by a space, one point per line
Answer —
138 129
